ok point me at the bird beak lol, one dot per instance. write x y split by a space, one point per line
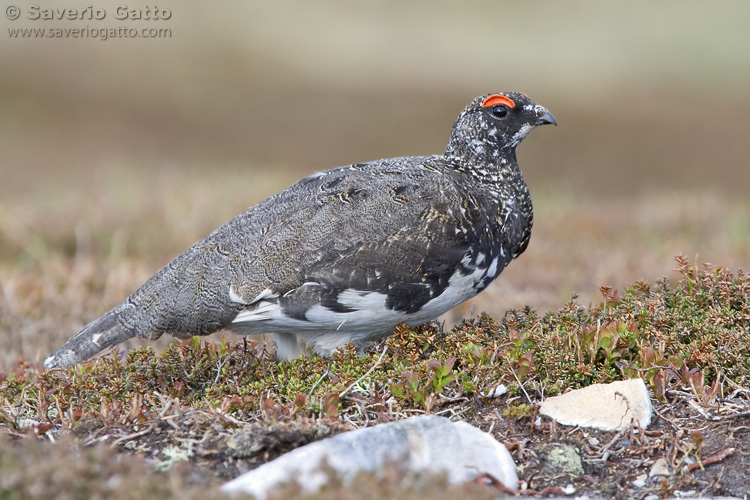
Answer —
544 116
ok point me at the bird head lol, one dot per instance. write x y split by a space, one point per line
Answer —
493 125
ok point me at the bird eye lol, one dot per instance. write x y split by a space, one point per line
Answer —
499 110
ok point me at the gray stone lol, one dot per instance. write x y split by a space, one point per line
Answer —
560 458
420 444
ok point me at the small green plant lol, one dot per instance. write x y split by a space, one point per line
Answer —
442 372
414 388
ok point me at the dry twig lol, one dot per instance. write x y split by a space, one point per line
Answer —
711 460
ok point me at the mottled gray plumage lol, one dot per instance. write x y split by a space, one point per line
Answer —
345 255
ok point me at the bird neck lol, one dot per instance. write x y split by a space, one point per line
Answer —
500 178
488 165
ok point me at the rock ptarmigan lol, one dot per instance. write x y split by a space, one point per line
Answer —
347 254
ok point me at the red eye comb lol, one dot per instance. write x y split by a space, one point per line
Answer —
496 99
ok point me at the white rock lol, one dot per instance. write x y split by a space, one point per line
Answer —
569 489
603 406
660 468
683 494
420 444
495 392
640 481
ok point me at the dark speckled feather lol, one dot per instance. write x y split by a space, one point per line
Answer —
346 254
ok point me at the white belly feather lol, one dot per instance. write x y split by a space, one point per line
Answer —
325 330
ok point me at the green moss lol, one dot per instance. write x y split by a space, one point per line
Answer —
517 411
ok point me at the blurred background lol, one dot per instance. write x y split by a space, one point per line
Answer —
118 154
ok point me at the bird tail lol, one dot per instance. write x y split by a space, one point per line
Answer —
94 338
